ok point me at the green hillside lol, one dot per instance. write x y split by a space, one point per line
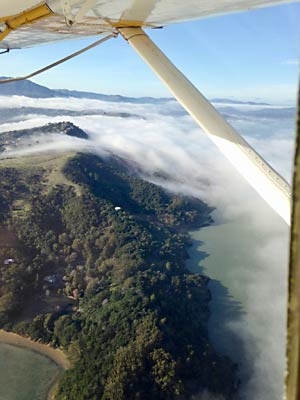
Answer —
92 259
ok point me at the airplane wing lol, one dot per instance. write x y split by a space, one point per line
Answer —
32 22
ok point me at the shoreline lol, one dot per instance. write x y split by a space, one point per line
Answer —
56 355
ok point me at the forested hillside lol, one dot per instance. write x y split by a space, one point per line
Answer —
94 262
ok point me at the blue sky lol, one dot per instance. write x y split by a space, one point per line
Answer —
251 55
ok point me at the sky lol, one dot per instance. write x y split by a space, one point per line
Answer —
251 55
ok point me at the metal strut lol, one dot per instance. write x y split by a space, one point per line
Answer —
293 325
62 60
261 176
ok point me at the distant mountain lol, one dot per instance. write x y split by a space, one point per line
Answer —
30 89
108 97
267 113
231 101
25 88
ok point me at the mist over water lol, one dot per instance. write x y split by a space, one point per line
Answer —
249 244
248 283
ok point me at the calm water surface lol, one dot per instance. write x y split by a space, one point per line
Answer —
223 252
247 310
25 374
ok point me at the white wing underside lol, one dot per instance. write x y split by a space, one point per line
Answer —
95 17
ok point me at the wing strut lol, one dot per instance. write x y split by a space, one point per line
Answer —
293 325
261 176
62 60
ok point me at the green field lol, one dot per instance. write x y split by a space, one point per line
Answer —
25 374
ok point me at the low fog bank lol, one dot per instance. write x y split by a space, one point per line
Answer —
268 134
166 147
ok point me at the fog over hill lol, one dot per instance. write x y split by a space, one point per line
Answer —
165 146
26 104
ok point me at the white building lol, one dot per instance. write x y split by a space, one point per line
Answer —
9 261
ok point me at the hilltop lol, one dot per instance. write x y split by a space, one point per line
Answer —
17 139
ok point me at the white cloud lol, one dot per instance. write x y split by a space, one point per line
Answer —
291 61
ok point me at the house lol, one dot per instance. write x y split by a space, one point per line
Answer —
117 208
50 279
9 261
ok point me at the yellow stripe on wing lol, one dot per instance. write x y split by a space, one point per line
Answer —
26 17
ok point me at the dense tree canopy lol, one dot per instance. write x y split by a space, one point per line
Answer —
102 274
